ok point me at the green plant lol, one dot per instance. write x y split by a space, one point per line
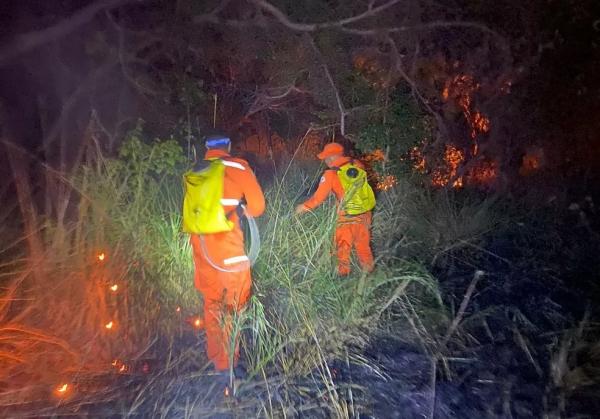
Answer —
403 127
300 318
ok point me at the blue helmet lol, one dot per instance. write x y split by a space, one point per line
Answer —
217 141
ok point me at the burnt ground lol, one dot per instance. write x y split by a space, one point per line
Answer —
528 346
530 337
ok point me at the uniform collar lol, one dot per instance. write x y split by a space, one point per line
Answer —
340 161
215 154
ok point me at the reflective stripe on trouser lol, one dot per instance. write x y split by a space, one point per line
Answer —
225 294
354 232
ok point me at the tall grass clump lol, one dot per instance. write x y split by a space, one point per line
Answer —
84 290
435 226
301 316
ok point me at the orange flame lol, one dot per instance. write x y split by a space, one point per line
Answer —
120 366
114 287
461 88
101 256
453 157
199 323
481 123
109 325
62 390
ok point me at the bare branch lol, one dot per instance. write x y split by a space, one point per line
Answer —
429 26
213 17
342 25
310 27
398 66
87 84
267 100
338 98
25 42
124 61
461 310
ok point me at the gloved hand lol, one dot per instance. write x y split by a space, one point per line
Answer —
300 209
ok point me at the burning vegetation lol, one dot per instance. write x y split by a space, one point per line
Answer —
442 171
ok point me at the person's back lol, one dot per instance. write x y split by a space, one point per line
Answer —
353 230
222 268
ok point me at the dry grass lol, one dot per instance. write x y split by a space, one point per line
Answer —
54 311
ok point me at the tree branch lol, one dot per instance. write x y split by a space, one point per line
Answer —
336 92
310 27
398 66
25 42
424 26
263 101
87 84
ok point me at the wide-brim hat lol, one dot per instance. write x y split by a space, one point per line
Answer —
331 149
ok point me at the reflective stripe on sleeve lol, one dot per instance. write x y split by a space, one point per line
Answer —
234 164
229 201
236 259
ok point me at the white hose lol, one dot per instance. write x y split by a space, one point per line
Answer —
252 252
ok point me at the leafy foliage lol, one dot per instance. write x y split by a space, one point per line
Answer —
159 158
404 128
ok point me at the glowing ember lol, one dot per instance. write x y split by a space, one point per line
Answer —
62 390
505 88
114 287
386 182
121 367
481 122
101 256
178 309
484 173
533 160
198 323
418 159
109 325
453 157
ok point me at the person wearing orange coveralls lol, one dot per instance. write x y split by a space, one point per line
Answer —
351 231
222 269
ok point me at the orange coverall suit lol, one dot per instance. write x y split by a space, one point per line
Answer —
350 230
226 293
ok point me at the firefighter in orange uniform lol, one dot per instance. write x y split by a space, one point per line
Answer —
351 231
222 268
